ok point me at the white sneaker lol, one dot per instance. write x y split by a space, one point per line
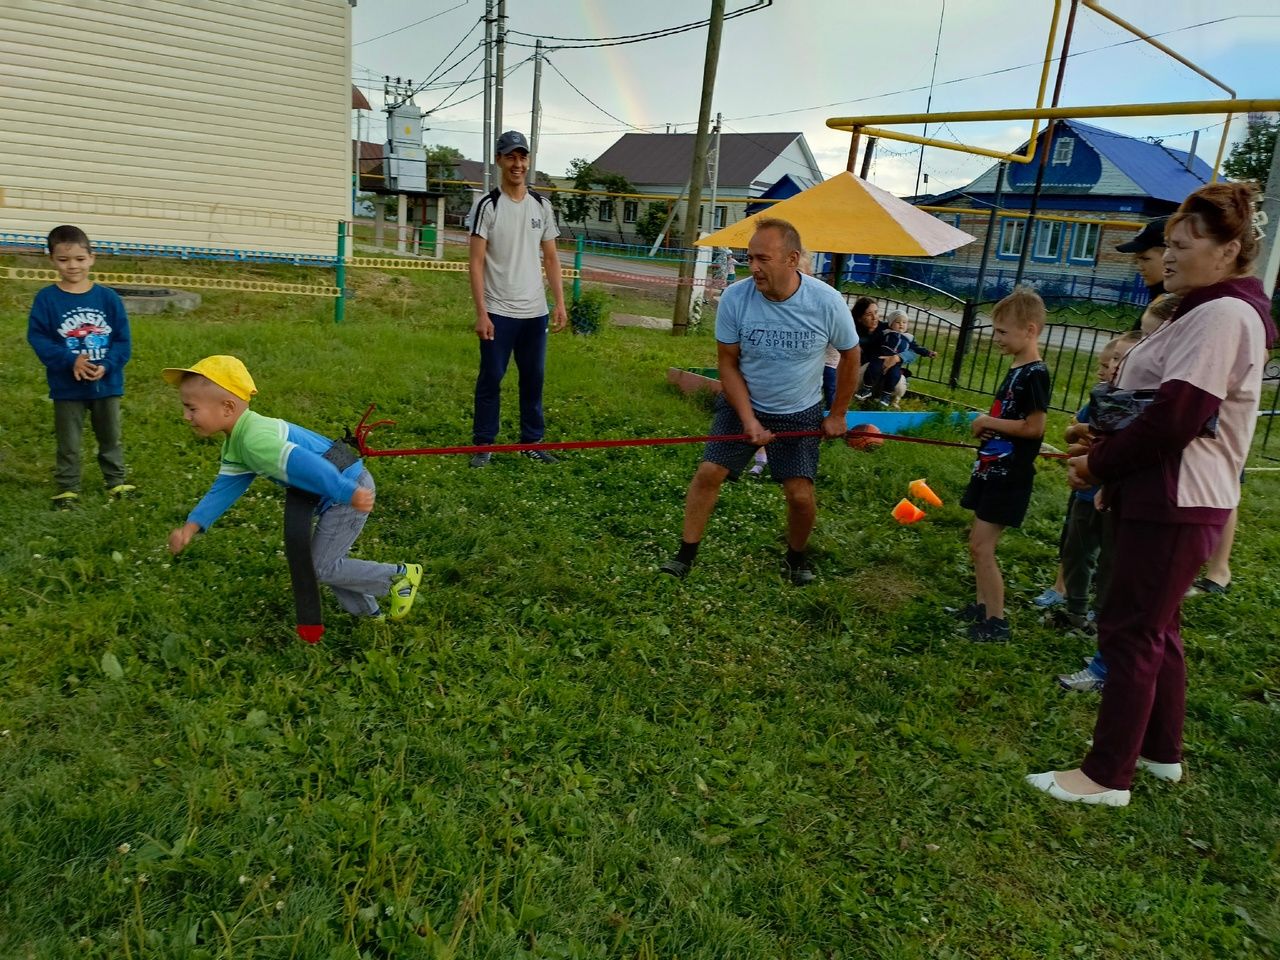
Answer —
1172 772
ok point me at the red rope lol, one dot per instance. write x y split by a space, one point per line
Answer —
363 430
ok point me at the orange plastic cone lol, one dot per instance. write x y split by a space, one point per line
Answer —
907 512
920 490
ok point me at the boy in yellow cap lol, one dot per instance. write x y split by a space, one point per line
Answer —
330 476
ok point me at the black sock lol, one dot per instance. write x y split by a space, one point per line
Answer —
795 558
688 551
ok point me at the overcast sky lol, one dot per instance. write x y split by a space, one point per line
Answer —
795 64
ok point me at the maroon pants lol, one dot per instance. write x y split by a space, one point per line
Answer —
1144 700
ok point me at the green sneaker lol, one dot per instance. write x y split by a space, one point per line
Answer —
66 500
120 490
404 589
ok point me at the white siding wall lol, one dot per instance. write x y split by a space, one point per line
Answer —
219 123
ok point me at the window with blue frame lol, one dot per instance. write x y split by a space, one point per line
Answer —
1084 242
1048 245
1010 238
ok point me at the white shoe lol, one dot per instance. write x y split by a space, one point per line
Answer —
1048 783
1171 772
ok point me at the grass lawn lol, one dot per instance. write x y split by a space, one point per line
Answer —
561 754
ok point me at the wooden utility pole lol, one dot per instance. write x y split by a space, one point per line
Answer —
499 68
697 172
486 155
535 116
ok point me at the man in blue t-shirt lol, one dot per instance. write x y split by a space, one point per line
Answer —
772 332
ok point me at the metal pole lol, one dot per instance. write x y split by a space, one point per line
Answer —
486 152
1268 263
684 288
867 154
535 115
971 306
1029 228
929 103
838 259
340 280
577 266
499 62
715 172
671 215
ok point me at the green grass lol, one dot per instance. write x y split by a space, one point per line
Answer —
561 754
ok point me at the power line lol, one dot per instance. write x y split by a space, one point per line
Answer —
552 65
414 24
584 43
1001 70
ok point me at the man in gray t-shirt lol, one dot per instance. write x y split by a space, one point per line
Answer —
513 238
772 332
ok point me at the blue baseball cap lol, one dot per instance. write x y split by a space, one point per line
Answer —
511 140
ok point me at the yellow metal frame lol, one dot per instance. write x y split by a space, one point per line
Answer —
1226 127
861 125
865 125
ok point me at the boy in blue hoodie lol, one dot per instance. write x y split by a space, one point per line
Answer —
215 399
80 332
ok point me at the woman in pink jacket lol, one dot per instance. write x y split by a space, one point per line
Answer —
1184 410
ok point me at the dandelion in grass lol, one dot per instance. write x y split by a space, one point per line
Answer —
122 848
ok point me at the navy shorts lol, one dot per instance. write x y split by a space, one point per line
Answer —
789 457
999 501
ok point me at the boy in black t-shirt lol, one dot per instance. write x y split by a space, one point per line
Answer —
999 491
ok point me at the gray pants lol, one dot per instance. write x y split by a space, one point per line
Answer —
356 583
68 427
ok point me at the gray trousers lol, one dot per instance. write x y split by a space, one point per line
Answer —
68 427
356 583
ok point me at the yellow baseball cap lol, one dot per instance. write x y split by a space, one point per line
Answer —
227 372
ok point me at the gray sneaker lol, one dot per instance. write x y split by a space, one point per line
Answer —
481 460
1083 681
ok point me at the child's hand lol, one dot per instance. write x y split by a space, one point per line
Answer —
362 500
181 536
1079 434
979 426
85 369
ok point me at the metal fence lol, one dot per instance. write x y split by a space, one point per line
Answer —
968 359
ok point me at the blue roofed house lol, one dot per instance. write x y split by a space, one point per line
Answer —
1093 174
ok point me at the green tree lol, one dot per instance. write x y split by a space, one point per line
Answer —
577 207
1250 159
650 223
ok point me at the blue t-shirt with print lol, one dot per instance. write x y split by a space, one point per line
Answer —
782 343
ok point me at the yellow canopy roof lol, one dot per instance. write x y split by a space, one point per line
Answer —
848 215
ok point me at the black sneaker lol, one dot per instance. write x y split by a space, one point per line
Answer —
676 568
481 460
1080 623
973 613
542 456
991 630
800 574
864 394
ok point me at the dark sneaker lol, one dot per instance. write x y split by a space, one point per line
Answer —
66 500
541 456
973 613
800 574
676 568
481 460
862 395
991 630
1066 621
